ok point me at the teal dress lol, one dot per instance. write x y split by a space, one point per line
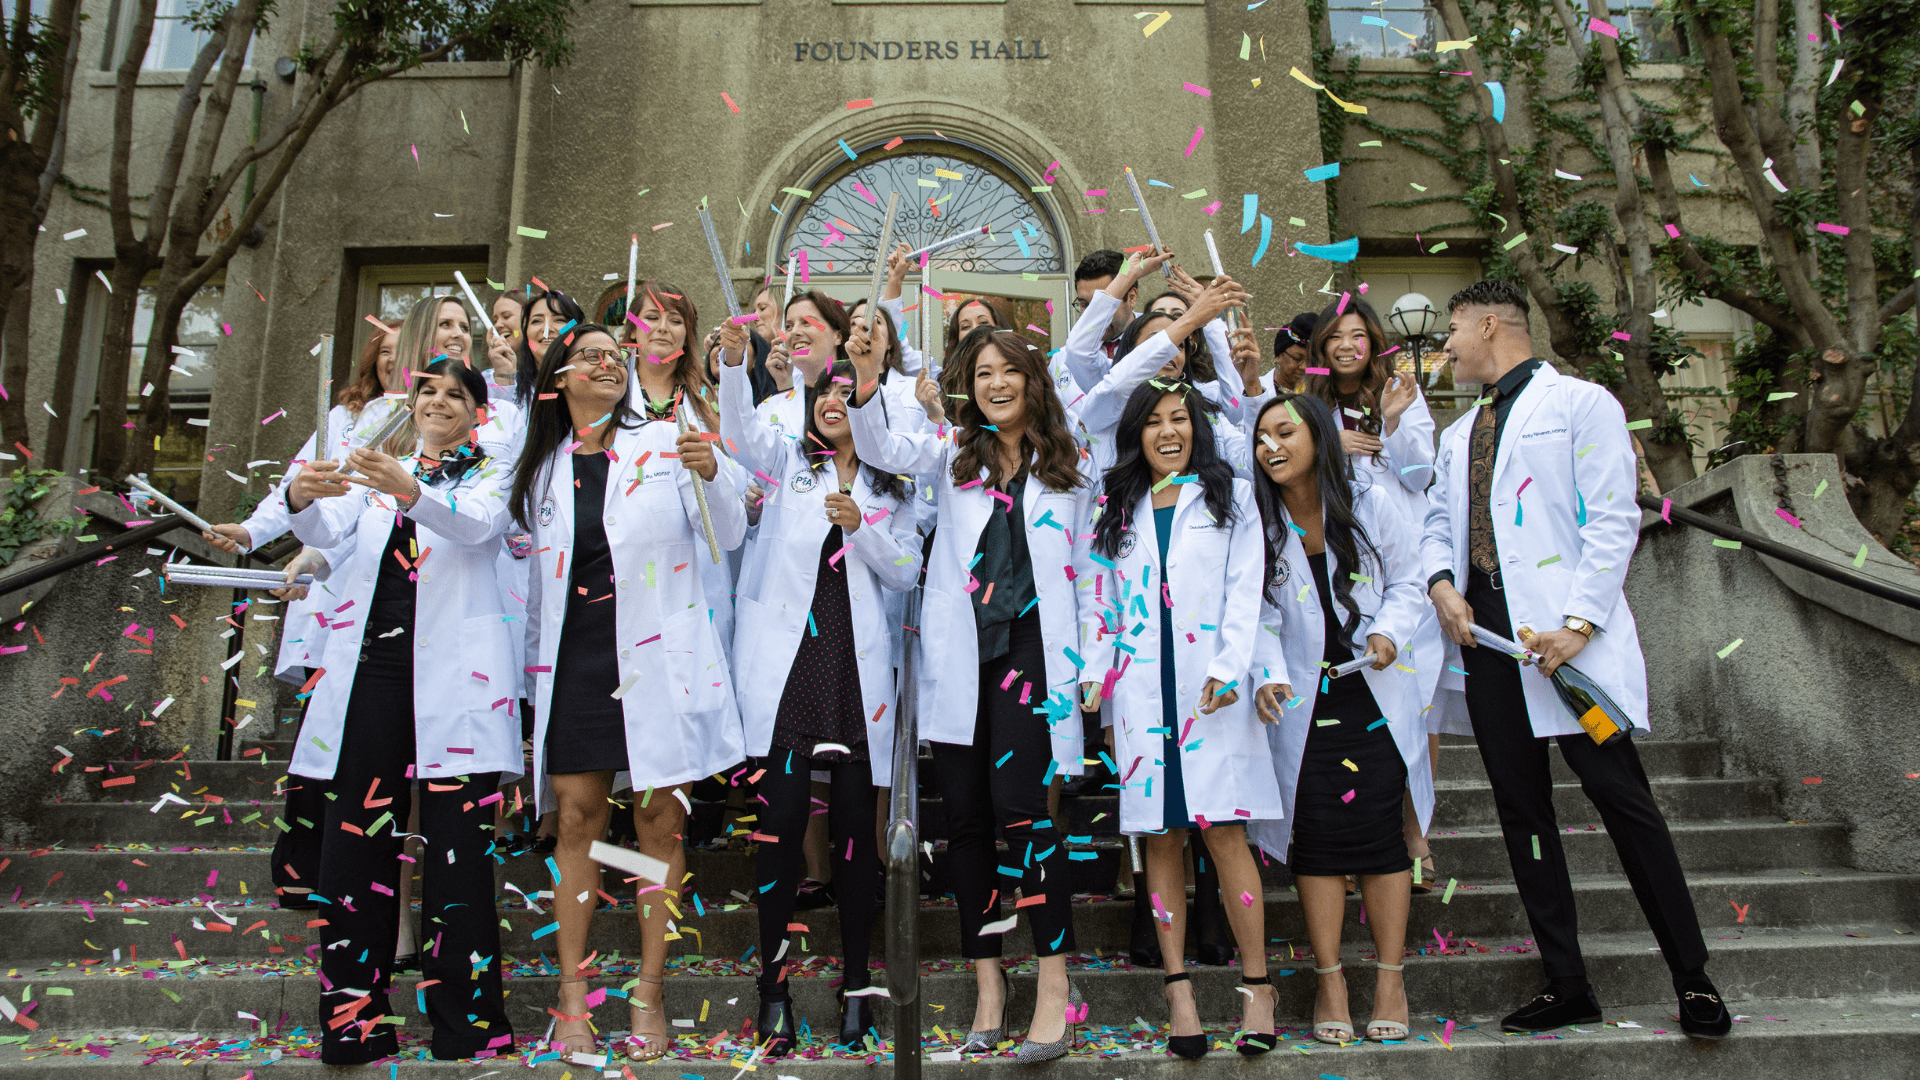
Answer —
1174 799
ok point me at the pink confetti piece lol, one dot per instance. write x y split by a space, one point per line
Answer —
275 416
1211 208
1621 335
728 98
1246 899
1673 230
1788 518
1201 90
1666 511
1096 192
1348 797
1319 371
860 189
1341 308
1600 26
1523 487
1198 134
1830 227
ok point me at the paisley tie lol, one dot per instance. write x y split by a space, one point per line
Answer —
1481 447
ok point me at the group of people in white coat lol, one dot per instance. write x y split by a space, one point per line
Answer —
689 558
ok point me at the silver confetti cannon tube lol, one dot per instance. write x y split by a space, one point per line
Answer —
1153 234
1213 253
383 432
699 485
941 245
880 258
182 512
232 578
323 402
719 264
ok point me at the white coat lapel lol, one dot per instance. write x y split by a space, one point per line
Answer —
558 495
1538 388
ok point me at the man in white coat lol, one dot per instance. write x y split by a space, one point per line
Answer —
1531 523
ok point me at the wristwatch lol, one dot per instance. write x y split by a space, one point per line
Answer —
1581 626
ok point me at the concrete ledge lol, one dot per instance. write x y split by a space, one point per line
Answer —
1827 529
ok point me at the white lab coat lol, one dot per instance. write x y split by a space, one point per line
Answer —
882 556
1058 539
911 358
1292 642
1403 472
1097 413
1213 573
1564 542
461 643
681 718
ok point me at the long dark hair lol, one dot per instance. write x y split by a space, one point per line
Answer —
550 424
1131 477
1342 533
1058 456
526 368
690 372
1199 363
891 361
1365 400
814 443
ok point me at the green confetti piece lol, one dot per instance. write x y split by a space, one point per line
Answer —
1448 898
1860 557
1637 425
1585 450
1246 46
1515 242
1042 190
1734 544
802 192
379 821
1782 395
1361 578
1821 490
1297 221
1162 485
1536 846
537 234
1201 194
1547 561
170 994
1731 645
496 286
1437 248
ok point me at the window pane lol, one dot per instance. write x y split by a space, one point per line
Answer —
1357 31
199 330
397 300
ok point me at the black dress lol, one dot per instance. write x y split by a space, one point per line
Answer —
586 726
821 701
1347 805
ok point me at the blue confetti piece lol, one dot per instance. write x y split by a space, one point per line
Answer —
1581 515
1376 723
1074 657
1345 251
1003 759
1052 767
1499 101
1249 210
1519 512
1266 236
1374 20
848 150
1324 172
813 626
545 930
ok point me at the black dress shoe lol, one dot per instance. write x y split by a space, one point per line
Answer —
298 902
776 1028
1554 1007
543 846
1702 1014
813 895
1093 782
856 1022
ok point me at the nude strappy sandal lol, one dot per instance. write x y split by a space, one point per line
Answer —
1387 1030
1335 1032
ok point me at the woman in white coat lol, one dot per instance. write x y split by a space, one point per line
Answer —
1186 741
1387 433
999 691
628 670
816 631
414 664
1343 582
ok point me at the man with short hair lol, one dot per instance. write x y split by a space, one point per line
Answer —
1089 358
1531 522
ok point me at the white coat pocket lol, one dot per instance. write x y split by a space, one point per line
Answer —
485 650
695 676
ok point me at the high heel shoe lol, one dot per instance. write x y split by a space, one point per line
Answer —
1033 1053
1187 1047
776 1024
652 1043
1255 1043
573 1031
856 1022
1425 875
986 1041
1386 1030
1334 1032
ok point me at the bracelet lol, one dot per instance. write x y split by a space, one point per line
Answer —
413 499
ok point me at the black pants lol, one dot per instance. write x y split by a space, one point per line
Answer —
296 851
786 790
360 870
1611 776
983 792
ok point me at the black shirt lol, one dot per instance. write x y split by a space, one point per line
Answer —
1509 386
1005 572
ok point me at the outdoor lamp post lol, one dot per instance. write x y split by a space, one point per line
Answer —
1413 315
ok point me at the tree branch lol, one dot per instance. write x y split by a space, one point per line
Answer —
55 114
1713 283
1803 92
260 148
160 209
238 29
1766 111
119 204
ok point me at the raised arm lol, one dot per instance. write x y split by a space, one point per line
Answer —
889 546
749 437
1409 443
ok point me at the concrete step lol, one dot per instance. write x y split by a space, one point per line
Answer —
1854 1038
1777 900
1626 971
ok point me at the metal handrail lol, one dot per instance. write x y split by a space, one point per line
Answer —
54 567
1813 564
903 858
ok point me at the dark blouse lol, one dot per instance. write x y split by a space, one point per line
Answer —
1005 572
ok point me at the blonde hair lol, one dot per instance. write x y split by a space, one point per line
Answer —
411 353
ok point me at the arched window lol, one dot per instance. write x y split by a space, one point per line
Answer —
945 188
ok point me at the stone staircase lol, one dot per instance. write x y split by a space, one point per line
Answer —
138 936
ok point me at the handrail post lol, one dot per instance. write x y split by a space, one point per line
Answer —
903 859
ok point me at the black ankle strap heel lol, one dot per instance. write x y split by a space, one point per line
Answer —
1185 1047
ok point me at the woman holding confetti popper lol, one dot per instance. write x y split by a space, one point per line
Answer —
998 693
1342 583
1387 433
1185 737
413 667
628 669
836 540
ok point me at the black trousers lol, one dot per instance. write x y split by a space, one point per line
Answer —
984 792
786 791
1612 778
296 851
360 868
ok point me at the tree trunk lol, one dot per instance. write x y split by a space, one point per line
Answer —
13 411
168 303
116 353
1889 472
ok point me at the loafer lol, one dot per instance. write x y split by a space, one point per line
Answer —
1554 1007
1702 1014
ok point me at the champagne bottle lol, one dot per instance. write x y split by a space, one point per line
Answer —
1603 719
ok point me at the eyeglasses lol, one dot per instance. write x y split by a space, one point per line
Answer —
593 357
1078 305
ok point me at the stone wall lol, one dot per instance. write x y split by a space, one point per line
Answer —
1822 694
